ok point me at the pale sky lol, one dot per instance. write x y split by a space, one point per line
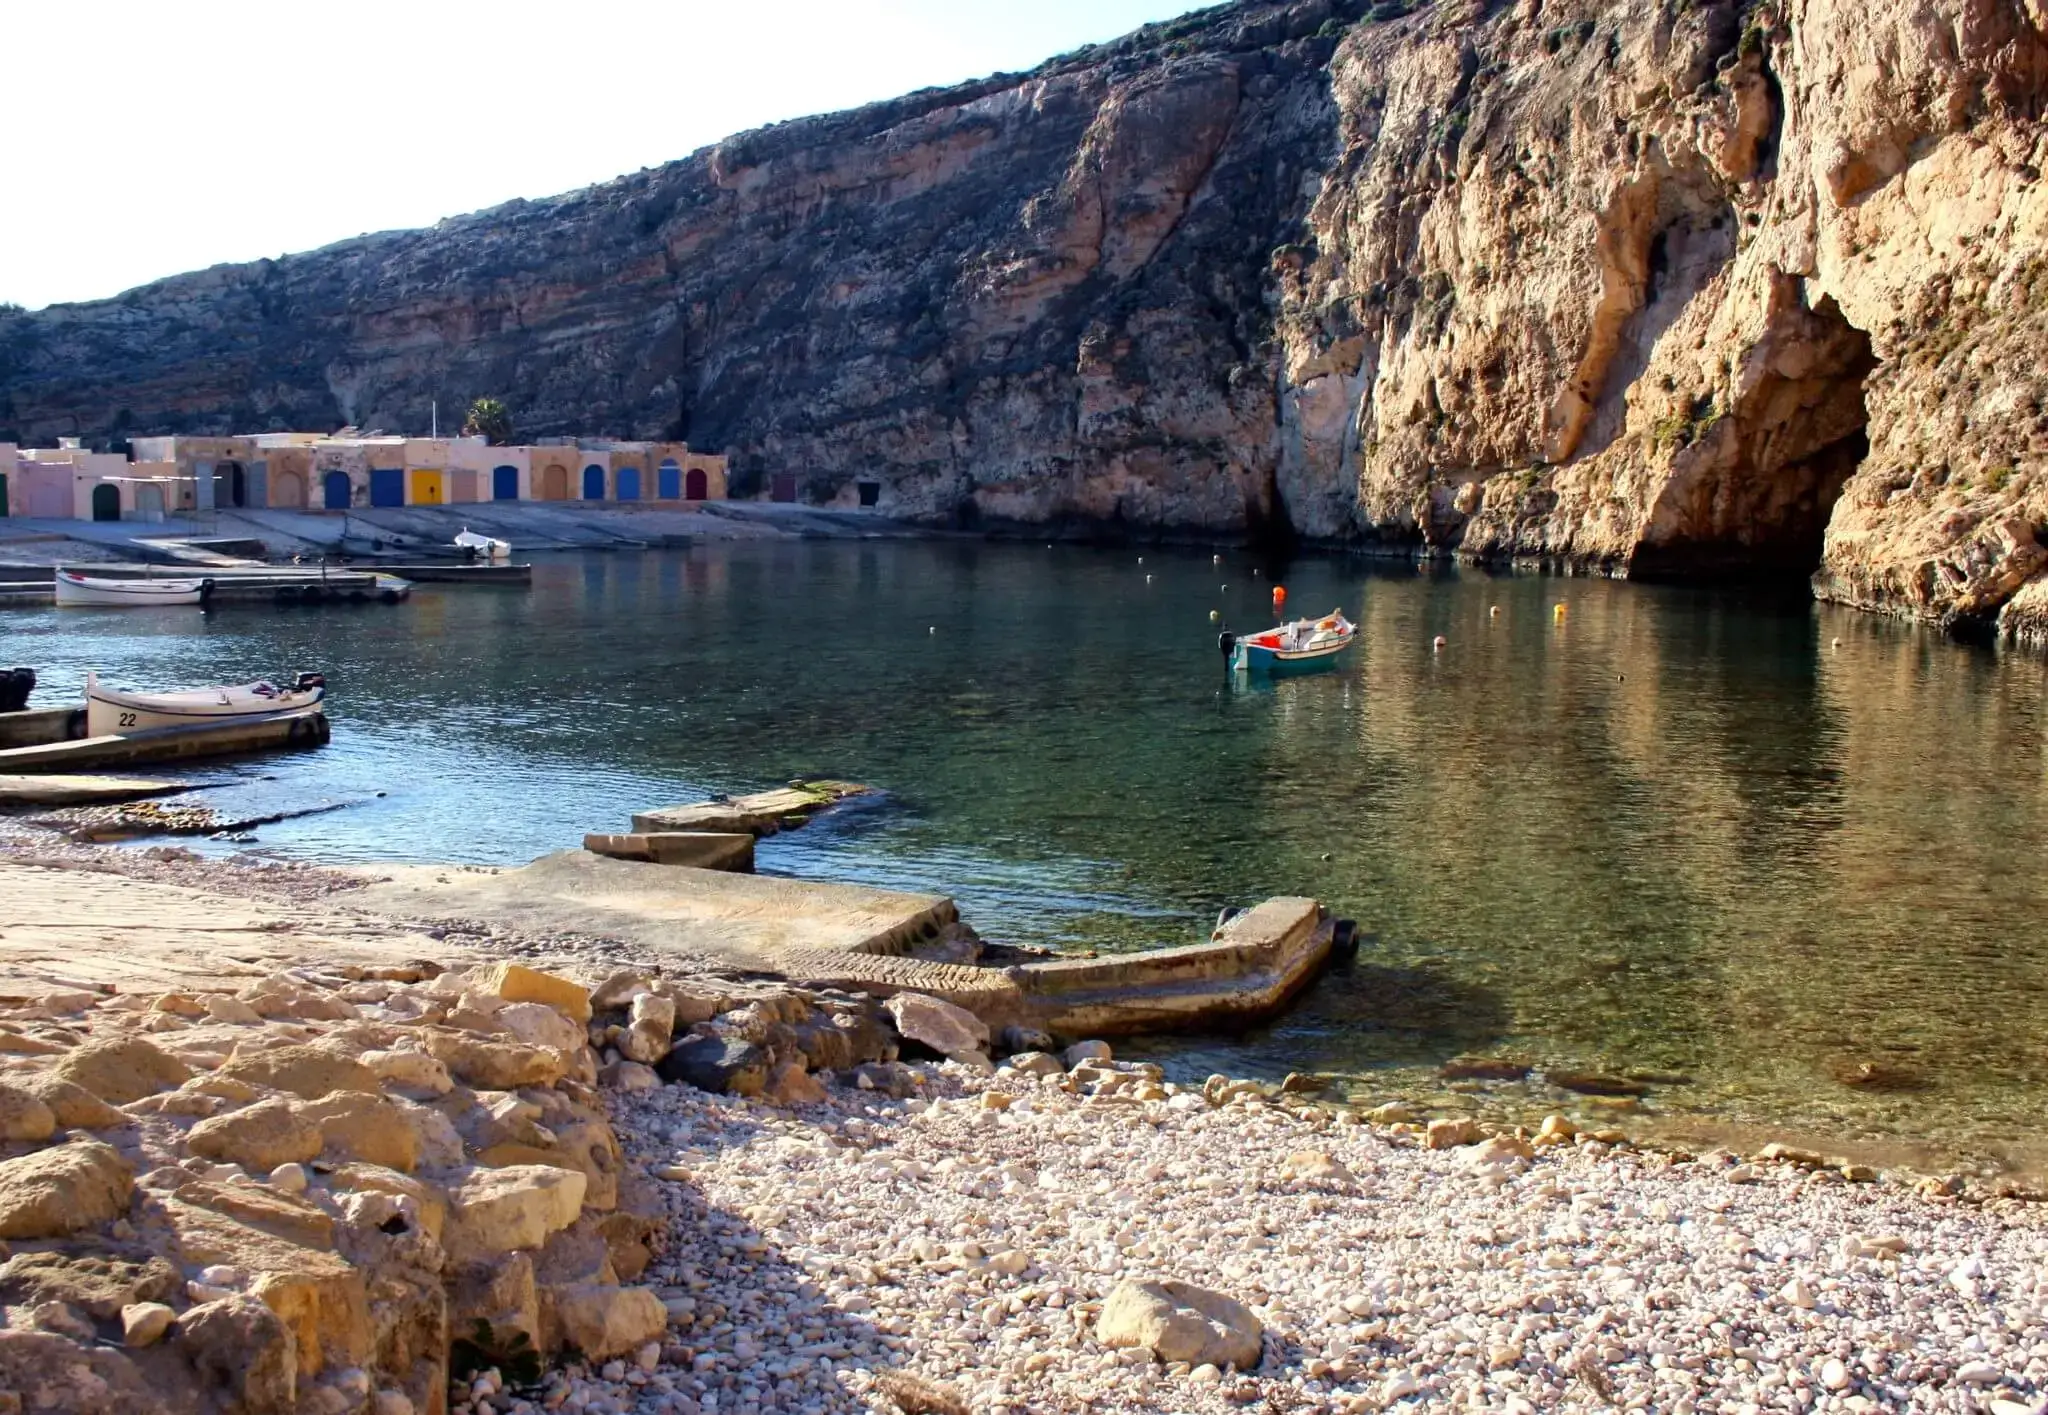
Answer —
147 137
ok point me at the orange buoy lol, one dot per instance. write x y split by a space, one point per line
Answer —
1279 596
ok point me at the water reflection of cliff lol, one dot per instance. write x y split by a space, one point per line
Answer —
1671 830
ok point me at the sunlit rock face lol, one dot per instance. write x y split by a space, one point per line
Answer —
1661 288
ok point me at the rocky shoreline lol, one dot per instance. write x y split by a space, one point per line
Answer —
465 1184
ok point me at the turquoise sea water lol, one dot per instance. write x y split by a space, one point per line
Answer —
1679 831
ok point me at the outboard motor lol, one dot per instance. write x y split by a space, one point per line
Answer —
1227 642
307 681
15 686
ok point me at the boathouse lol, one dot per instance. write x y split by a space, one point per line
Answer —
348 470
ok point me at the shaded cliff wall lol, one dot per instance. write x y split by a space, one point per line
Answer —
1660 286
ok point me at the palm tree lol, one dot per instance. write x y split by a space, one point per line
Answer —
490 419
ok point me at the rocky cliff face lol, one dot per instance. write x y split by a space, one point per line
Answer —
1659 287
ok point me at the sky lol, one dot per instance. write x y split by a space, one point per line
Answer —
148 137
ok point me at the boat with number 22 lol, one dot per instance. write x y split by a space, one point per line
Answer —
110 713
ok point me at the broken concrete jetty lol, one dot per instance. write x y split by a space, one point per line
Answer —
763 813
852 937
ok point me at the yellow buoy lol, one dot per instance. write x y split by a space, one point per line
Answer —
1440 644
1557 611
1837 644
1214 616
1493 613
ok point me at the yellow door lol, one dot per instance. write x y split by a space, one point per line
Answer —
426 489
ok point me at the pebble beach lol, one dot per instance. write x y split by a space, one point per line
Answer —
970 1235
953 1240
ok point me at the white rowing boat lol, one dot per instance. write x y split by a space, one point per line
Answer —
486 547
111 713
76 589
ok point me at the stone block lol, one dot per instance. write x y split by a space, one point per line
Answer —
63 1189
301 1070
945 1028
494 1211
717 1064
515 982
1177 1321
369 1129
494 1066
602 1321
24 1116
259 1137
695 849
122 1070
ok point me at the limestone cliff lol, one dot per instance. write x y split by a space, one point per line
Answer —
1658 287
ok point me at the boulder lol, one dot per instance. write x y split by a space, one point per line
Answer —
17 1044
298 1222
375 1179
370 1129
537 1024
121 1070
946 1029
494 1211
790 1084
891 1078
716 1064
629 1076
1177 1321
23 1116
1015 1039
515 982
63 1189
1081 1052
322 1299
1037 1063
604 1321
72 1105
282 995
95 1284
499 1293
301 1070
41 1374
244 1352
650 1029
1449 1134
144 1323
259 1137
410 1073
494 1066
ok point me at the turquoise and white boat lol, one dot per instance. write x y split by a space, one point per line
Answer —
1299 647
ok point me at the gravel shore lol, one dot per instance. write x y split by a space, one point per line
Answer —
969 1236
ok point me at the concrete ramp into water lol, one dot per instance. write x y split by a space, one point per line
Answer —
751 921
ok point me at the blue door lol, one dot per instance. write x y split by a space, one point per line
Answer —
387 488
505 484
593 483
669 480
629 483
334 491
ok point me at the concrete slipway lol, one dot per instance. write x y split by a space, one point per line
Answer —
854 937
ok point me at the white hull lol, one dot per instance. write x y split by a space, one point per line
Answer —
76 590
487 547
111 713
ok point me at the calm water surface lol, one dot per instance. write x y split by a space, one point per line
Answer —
1677 831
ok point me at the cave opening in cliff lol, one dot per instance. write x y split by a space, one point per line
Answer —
1754 485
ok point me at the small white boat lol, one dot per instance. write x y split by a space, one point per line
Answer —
1292 648
76 589
109 713
486 547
